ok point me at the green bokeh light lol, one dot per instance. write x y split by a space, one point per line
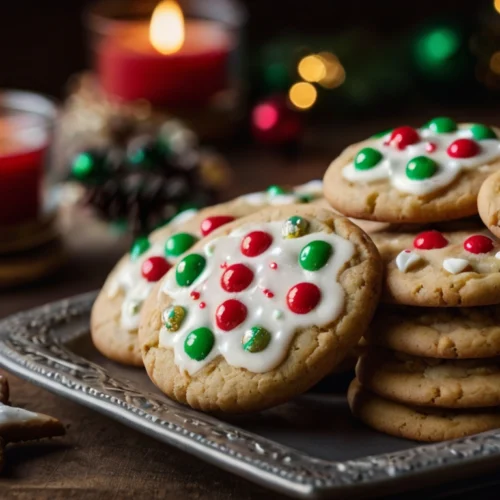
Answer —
435 47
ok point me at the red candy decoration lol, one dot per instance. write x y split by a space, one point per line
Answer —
212 223
255 243
303 298
268 293
202 305
273 265
195 295
154 268
478 244
402 137
430 240
463 148
236 278
430 147
230 314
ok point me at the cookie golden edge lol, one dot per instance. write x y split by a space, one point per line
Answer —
488 203
417 424
313 353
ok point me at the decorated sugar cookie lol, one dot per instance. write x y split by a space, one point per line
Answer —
440 269
115 315
260 310
488 203
422 175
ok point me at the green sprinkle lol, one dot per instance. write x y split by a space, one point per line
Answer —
199 343
315 255
367 158
179 243
480 132
256 339
420 168
442 125
139 246
189 268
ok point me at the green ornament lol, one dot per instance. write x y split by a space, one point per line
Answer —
378 135
367 158
88 167
420 168
173 317
179 243
442 125
294 227
256 339
189 268
199 343
139 246
315 255
275 190
480 132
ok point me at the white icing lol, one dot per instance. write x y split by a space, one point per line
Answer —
129 280
406 260
394 161
10 415
270 313
455 266
497 255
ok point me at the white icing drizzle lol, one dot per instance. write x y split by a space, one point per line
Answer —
270 313
136 289
10 415
394 161
497 255
406 260
455 266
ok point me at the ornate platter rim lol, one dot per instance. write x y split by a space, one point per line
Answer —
32 347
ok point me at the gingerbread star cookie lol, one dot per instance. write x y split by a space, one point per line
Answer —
418 423
115 315
423 175
260 310
488 203
441 269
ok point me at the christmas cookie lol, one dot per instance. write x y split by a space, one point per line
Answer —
414 175
465 332
115 315
461 383
261 310
439 269
418 423
488 203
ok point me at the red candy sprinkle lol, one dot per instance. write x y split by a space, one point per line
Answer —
273 265
195 295
202 305
236 278
223 265
430 147
230 314
402 137
212 223
478 244
463 148
255 243
154 268
268 293
430 240
303 298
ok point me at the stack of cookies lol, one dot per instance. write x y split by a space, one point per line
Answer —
431 371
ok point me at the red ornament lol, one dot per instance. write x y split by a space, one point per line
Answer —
212 223
236 278
195 295
303 298
463 148
430 240
255 243
230 314
478 244
402 137
154 268
430 147
275 123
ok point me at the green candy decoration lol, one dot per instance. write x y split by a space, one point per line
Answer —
173 317
420 168
139 246
295 227
179 243
147 155
189 268
378 135
442 125
367 158
256 339
315 255
199 343
480 132
305 198
89 167
276 190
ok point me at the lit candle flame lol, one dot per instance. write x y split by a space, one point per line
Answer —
166 30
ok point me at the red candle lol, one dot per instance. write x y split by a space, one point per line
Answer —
167 62
23 145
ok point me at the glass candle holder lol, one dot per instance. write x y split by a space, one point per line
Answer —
26 131
181 56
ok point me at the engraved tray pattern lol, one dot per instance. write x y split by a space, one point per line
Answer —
32 346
